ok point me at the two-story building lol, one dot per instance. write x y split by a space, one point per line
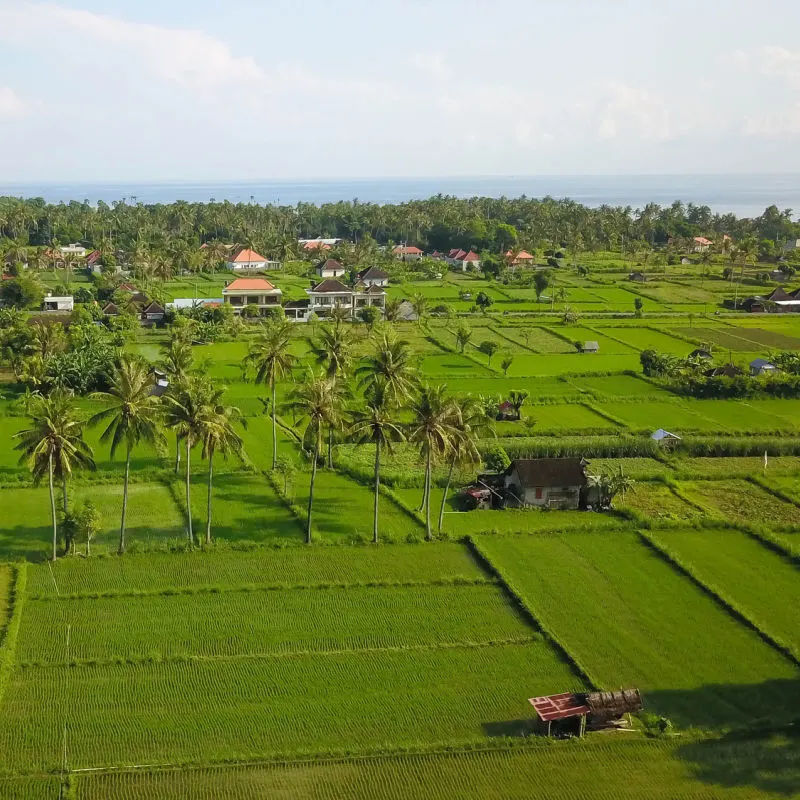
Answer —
372 276
407 253
251 292
332 293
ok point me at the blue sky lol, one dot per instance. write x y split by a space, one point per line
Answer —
279 89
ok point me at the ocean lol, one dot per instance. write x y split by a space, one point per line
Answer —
743 195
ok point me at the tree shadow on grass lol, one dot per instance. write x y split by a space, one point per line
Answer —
516 728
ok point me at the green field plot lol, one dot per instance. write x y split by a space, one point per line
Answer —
742 501
773 340
675 293
603 769
642 469
737 466
759 583
152 517
790 486
744 416
620 386
655 501
607 346
539 339
441 367
537 387
642 338
567 417
661 633
250 707
39 788
239 623
676 416
786 410
295 566
6 580
723 338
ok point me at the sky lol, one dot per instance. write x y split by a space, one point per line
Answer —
159 90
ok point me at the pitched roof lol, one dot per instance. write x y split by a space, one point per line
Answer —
316 245
534 472
153 308
373 273
780 294
471 256
591 346
373 289
331 263
249 285
110 308
702 240
762 363
245 255
408 250
331 285
662 434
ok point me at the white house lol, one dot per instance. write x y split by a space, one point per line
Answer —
760 366
330 269
700 244
545 482
331 293
52 303
249 260
665 439
74 249
463 260
372 276
251 292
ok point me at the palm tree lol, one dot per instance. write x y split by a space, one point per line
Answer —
469 423
315 400
333 350
269 355
217 433
184 414
420 305
54 446
177 363
433 430
389 364
133 415
376 424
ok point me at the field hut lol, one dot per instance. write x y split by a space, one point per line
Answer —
590 347
665 439
574 712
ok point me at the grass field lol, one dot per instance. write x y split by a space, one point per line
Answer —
742 501
666 635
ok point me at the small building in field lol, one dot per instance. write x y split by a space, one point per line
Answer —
330 268
331 293
407 253
700 244
638 277
372 276
110 309
152 313
247 260
75 249
63 304
760 366
251 292
545 483
590 347
665 439
701 353
724 371
521 259
317 245
507 411
571 713
753 305
463 259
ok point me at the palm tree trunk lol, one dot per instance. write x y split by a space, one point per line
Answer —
65 501
428 534
208 499
377 488
177 454
446 490
121 548
274 434
330 448
311 492
53 509
189 490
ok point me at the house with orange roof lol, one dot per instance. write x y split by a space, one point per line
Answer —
700 244
251 292
463 260
247 260
407 253
521 259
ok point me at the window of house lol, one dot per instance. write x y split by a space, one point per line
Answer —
538 492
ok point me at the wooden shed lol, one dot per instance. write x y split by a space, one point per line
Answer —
572 713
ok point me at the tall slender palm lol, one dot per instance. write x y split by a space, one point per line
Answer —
470 422
218 435
390 364
433 430
315 400
177 363
376 424
270 357
183 413
333 350
53 446
132 415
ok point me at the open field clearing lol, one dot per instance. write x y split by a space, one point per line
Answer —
621 386
601 770
536 338
251 707
240 623
640 469
295 566
6 578
747 416
722 338
737 467
153 517
547 418
790 486
655 501
643 338
759 583
667 634
536 387
742 501
607 346
675 415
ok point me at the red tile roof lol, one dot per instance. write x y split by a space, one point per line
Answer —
408 251
702 240
245 255
249 285
471 256
559 706
316 246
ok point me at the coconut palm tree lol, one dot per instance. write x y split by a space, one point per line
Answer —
315 399
270 357
177 363
390 364
218 435
132 415
434 431
376 424
54 446
469 423
333 350
183 413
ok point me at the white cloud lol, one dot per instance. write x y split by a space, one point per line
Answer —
630 112
11 105
782 63
777 125
434 65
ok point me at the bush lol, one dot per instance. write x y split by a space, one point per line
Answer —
496 458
